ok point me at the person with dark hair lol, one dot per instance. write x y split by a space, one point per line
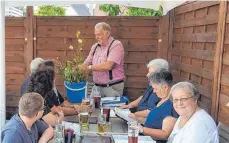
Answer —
41 81
162 118
26 126
34 65
57 98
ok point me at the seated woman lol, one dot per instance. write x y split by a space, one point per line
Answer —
41 81
194 124
57 98
160 120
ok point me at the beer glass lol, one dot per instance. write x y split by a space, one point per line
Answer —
84 121
101 124
133 130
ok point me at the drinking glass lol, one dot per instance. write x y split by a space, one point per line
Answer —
84 121
101 124
133 130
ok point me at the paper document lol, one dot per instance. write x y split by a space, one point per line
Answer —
124 139
123 113
106 99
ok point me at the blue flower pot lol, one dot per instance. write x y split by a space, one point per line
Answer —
75 91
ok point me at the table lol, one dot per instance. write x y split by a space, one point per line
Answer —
118 126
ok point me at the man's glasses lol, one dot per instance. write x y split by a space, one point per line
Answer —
182 100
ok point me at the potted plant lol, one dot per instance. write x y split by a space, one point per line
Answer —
75 78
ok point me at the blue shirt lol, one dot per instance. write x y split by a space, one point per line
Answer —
15 131
24 86
149 100
158 114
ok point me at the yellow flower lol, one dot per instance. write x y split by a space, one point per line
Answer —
78 34
71 47
80 41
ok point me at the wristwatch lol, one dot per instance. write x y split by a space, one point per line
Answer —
89 67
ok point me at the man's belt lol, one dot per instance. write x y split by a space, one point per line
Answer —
109 84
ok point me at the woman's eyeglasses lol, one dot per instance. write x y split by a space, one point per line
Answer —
182 100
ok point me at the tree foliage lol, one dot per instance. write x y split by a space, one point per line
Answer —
111 9
114 10
51 10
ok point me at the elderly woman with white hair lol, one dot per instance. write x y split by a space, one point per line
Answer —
194 124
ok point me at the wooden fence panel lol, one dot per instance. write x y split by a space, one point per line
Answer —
139 36
193 46
15 61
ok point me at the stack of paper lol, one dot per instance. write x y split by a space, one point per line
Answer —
124 139
112 102
123 113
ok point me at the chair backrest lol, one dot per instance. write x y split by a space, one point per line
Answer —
223 133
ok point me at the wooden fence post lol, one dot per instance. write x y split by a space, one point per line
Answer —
218 59
163 37
28 39
170 40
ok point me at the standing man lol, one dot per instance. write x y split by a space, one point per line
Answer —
106 61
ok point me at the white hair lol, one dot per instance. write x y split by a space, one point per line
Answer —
188 86
35 64
104 25
158 64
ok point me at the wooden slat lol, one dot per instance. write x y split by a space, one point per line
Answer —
194 70
13 47
15 32
15 21
125 21
197 37
224 79
194 6
224 119
15 79
218 58
205 20
120 32
15 67
198 54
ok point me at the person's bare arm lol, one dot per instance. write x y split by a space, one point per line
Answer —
53 119
47 135
167 127
143 113
68 111
132 104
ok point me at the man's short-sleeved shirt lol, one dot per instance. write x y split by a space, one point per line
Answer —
15 131
116 55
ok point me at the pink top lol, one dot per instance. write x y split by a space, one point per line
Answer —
116 55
